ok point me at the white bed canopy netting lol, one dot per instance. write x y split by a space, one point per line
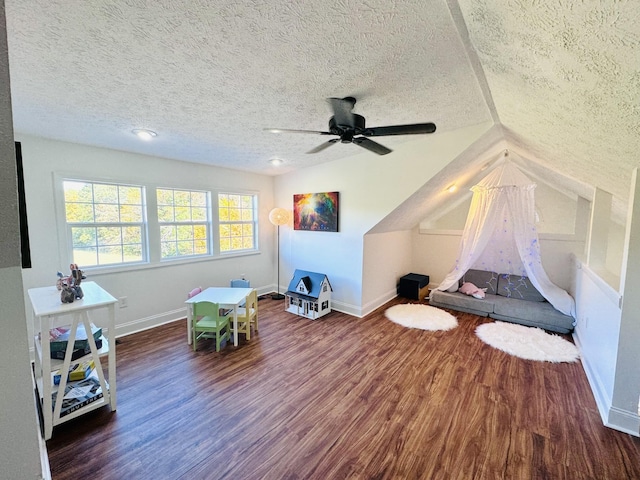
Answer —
500 235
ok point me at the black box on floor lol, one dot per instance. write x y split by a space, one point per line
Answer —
413 286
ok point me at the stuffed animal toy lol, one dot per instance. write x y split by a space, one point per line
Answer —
469 288
69 287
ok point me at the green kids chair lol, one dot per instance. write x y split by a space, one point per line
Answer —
208 323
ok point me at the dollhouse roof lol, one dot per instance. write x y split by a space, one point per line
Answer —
312 280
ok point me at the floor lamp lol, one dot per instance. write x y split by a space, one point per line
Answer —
278 216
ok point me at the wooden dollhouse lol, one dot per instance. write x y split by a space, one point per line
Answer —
309 295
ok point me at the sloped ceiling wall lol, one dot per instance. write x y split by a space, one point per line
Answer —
565 80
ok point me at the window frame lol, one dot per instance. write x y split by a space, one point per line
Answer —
152 225
207 222
68 243
254 222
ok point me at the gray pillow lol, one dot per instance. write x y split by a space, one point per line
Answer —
515 286
481 279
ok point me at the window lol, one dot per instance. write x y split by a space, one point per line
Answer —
184 218
106 223
237 222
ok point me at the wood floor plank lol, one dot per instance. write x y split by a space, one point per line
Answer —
341 398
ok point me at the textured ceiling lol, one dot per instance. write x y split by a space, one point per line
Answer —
561 78
209 77
565 80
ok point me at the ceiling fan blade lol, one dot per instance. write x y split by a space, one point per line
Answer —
324 145
375 147
400 129
342 111
288 130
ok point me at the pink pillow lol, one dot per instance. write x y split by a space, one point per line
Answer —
469 288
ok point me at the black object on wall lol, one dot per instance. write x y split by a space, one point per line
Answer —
22 209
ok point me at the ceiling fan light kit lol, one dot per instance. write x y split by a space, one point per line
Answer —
348 127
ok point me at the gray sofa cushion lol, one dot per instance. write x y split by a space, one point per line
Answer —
521 288
536 314
462 302
482 279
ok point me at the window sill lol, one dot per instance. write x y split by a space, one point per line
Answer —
99 271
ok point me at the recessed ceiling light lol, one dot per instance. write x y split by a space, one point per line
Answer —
276 161
452 188
144 134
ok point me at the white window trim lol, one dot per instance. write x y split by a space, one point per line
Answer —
256 223
208 222
153 227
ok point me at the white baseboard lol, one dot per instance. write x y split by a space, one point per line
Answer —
612 417
627 422
146 323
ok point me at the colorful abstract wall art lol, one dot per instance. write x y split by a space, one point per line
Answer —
316 212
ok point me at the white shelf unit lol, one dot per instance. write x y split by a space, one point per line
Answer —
49 312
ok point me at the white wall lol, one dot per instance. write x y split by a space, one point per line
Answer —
20 440
392 253
371 187
434 254
596 332
155 295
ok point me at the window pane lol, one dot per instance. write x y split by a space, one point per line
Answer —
87 257
185 248
79 212
77 191
130 195
200 232
169 250
109 236
198 214
132 235
164 197
184 216
106 222
105 193
237 218
83 237
131 213
199 199
185 232
133 253
106 213
110 255
165 214
182 198
167 232
201 247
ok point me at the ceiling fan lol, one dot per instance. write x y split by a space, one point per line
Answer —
347 125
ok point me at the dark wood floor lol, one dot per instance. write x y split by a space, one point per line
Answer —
337 398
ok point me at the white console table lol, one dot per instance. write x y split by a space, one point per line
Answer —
49 312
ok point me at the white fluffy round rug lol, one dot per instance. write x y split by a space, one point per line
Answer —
530 343
424 317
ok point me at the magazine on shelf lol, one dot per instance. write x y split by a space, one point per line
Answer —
59 337
78 394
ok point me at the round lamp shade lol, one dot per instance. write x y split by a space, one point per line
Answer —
279 216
